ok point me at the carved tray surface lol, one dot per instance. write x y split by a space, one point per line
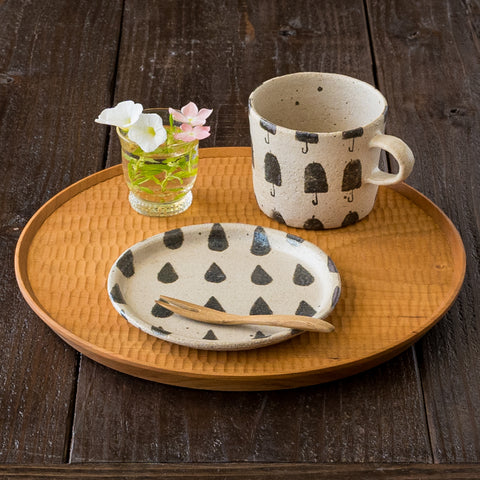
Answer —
401 270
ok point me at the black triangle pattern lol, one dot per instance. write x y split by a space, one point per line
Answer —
260 276
260 334
160 312
302 276
116 294
260 307
217 239
160 330
215 274
173 239
305 309
167 274
260 245
214 304
125 264
210 336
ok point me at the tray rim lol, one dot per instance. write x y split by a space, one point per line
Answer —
301 377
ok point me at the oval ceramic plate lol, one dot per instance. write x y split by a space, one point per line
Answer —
237 268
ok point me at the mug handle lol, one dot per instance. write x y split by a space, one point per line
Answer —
403 155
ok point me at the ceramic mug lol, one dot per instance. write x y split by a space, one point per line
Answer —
316 140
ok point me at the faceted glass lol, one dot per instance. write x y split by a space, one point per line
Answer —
160 182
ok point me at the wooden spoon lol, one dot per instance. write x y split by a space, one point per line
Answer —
209 315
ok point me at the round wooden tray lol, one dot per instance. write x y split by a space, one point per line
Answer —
401 269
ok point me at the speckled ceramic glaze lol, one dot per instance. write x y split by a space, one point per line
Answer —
237 268
316 141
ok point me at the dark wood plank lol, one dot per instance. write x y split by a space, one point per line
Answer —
215 54
242 471
54 72
375 416
427 56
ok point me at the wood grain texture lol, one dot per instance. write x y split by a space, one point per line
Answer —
387 301
215 53
216 57
285 471
343 421
59 67
81 315
427 57
47 105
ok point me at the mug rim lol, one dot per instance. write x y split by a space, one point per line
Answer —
252 109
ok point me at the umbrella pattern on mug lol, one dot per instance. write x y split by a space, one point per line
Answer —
273 173
352 178
353 134
315 179
269 127
307 138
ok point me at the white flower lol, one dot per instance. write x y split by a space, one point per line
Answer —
123 115
148 132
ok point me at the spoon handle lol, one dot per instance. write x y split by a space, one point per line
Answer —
209 315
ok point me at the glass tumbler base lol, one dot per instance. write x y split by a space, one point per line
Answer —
153 209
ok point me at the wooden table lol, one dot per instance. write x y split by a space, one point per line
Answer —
62 414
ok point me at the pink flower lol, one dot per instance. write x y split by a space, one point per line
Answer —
189 133
190 114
